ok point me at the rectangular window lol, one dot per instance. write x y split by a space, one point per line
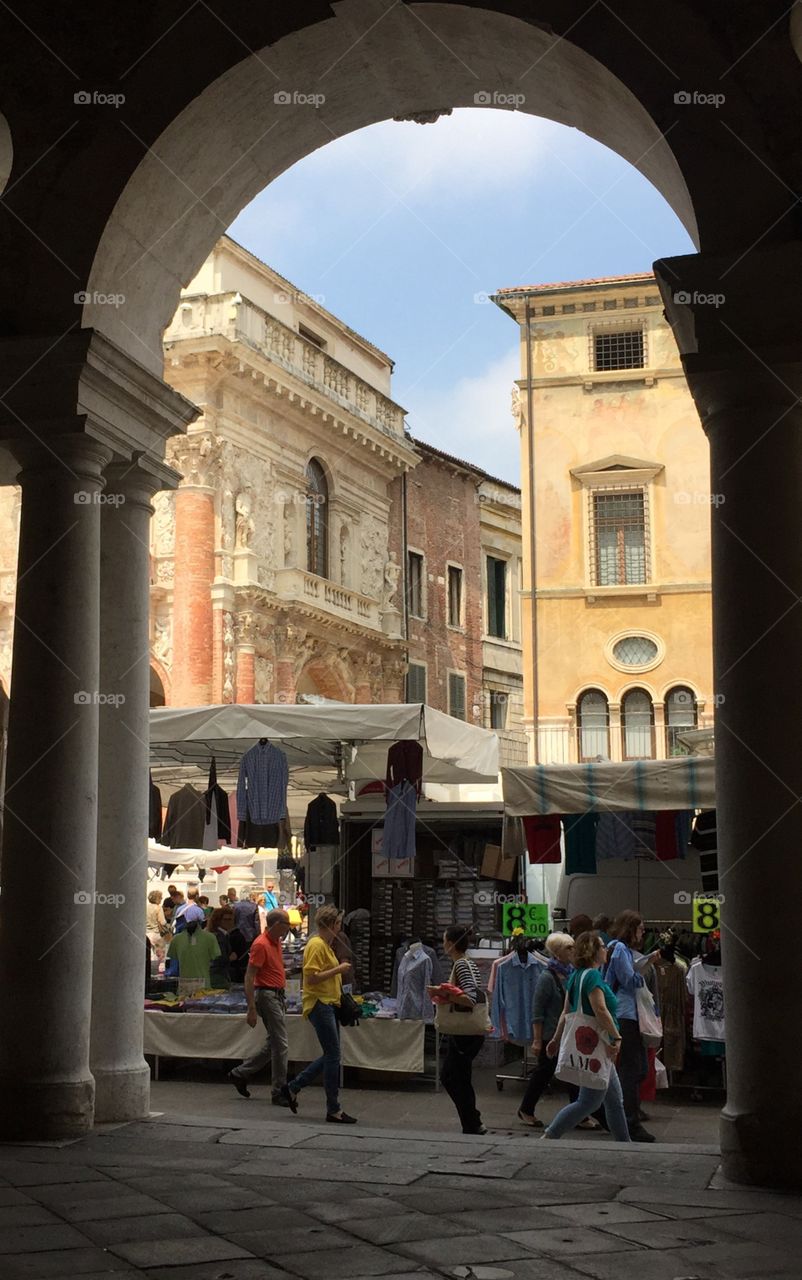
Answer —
617 349
498 710
312 337
416 682
619 538
454 596
496 597
456 696
415 583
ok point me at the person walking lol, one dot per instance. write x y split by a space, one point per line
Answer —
322 992
547 1007
461 1049
156 927
625 980
265 980
600 1002
246 916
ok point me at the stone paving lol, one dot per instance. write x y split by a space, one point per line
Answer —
284 1197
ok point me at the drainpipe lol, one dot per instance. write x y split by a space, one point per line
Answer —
530 426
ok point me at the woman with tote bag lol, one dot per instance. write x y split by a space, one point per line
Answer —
590 1038
463 1016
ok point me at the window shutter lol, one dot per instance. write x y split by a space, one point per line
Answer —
416 682
456 696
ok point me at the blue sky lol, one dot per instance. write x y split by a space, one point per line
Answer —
401 226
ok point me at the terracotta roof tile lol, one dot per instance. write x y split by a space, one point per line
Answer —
577 284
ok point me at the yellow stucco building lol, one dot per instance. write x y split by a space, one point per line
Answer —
616 525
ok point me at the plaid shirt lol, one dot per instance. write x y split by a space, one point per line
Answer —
262 785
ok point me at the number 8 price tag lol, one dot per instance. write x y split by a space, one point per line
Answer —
532 917
706 914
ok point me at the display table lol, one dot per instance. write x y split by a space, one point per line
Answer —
377 1044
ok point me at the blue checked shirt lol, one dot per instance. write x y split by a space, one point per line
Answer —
262 785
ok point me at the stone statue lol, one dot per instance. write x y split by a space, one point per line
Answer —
245 524
392 573
344 540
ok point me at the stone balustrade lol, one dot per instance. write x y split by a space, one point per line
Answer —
330 597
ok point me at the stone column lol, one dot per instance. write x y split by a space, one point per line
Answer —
49 840
122 1077
193 631
246 674
737 326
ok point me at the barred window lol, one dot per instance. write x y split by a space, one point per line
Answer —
619 550
593 726
680 715
617 349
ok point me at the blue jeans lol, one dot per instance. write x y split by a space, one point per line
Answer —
586 1104
327 1029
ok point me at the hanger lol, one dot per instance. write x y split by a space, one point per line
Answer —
263 742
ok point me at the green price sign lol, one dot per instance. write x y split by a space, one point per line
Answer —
532 917
706 913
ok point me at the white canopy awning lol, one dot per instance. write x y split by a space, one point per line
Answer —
158 854
683 783
353 738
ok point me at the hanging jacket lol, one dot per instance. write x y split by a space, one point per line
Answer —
155 813
216 801
321 826
186 819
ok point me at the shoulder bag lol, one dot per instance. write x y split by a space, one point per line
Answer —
348 1011
583 1059
456 1020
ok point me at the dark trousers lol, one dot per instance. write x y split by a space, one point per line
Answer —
633 1067
539 1077
456 1078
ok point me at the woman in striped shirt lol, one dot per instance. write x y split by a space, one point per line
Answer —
461 1051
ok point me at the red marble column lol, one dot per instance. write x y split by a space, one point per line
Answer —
193 629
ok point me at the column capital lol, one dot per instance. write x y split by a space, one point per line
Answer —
140 478
78 456
735 321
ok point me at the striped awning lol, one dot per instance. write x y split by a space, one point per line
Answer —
683 783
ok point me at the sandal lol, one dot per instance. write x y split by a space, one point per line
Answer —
532 1122
588 1123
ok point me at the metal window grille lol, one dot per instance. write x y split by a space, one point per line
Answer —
637 725
619 541
680 715
618 349
416 682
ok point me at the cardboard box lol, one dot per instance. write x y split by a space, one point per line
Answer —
495 866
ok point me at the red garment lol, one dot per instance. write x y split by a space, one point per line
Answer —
648 1088
405 764
665 835
542 832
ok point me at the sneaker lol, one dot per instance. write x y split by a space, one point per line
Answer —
279 1100
290 1098
239 1084
638 1134
342 1118
480 1129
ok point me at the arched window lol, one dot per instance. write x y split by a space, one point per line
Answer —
637 725
317 520
680 715
593 726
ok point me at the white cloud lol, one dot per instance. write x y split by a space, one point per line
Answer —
471 419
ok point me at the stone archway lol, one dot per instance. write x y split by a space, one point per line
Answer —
327 676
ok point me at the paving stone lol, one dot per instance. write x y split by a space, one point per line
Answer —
515 1269
25 1215
242 1269
746 1201
39 1239
631 1173
46 1174
279 1139
202 1201
566 1239
772 1228
297 1191
270 1243
740 1260
644 1264
190 1180
516 1217
593 1215
334 1171
51 1265
404 1146
10 1195
468 1250
152 1131
150 1253
700 1210
359 1207
165 1227
522 1190
344 1264
54 1194
273 1218
669 1235
450 1201
109 1208
407 1225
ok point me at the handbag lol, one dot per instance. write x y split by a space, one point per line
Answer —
348 1011
583 1059
649 1020
456 1020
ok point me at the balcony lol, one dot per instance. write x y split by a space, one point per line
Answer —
328 597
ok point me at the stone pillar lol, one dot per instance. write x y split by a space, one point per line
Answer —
49 840
246 674
193 631
737 326
122 1077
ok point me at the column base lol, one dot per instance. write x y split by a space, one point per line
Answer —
33 1110
757 1153
122 1094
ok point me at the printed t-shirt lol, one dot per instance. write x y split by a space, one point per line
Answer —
706 984
268 957
593 980
318 956
194 953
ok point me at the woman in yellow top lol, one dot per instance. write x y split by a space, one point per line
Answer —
322 990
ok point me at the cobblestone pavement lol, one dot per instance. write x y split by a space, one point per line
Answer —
280 1197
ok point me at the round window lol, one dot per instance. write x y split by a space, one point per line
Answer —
635 651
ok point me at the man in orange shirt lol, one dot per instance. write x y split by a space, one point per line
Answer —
264 991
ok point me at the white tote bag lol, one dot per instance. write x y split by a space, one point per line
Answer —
583 1058
649 1020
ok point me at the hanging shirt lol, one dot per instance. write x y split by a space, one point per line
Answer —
580 843
414 976
542 832
706 985
514 997
614 837
262 785
405 764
